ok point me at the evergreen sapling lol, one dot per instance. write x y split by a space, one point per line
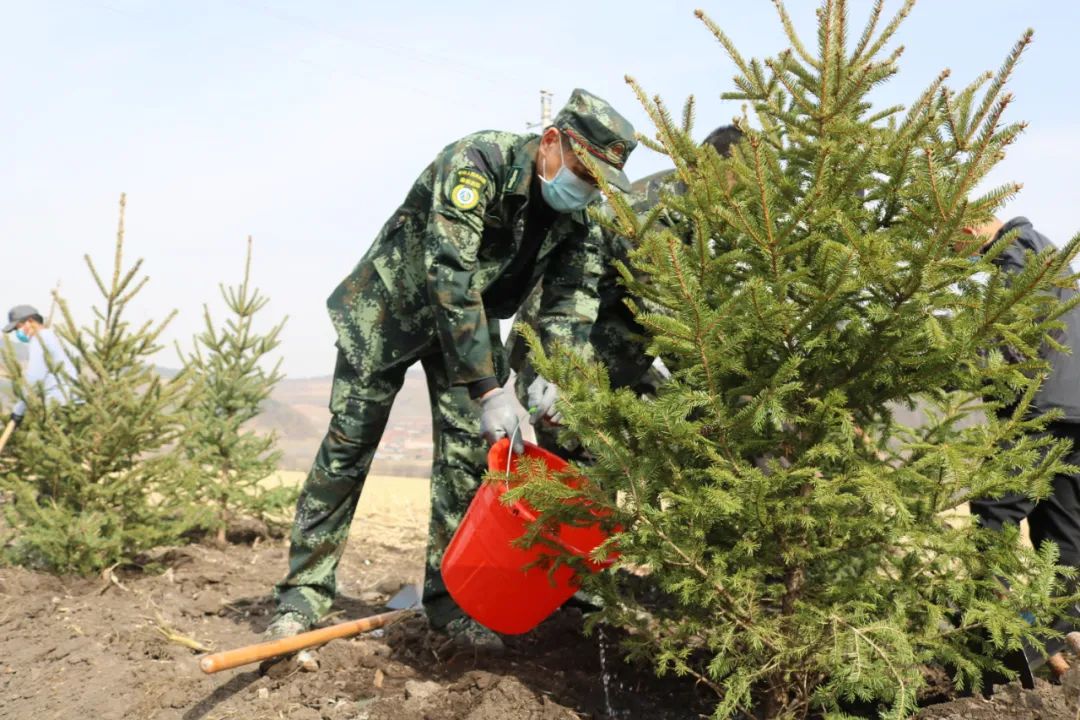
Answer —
234 461
98 479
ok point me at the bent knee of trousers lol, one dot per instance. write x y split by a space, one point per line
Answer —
337 475
351 438
458 468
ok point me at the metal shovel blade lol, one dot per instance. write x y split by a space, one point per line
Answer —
407 598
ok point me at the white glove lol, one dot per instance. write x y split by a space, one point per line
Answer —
542 396
661 369
498 419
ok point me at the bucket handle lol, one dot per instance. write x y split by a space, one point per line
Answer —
510 452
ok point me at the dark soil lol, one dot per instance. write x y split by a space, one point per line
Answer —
1045 702
97 649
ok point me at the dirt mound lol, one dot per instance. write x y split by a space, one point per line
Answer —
1045 702
121 646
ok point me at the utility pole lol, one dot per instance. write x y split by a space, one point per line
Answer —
545 112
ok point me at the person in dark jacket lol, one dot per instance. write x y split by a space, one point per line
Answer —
1055 518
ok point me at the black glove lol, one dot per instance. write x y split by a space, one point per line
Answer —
17 419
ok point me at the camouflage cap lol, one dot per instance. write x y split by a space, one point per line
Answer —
597 128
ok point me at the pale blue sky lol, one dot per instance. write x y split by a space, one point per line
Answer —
304 123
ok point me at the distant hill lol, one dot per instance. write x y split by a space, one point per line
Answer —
298 410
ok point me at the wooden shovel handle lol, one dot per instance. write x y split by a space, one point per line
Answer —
7 434
264 651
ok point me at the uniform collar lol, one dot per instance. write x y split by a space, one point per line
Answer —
523 170
523 174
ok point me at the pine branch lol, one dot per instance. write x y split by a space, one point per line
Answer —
868 31
998 82
890 29
793 37
725 41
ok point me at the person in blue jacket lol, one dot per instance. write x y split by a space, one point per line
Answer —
48 362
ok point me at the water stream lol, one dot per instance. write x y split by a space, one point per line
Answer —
605 676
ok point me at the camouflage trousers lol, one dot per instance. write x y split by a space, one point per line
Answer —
360 406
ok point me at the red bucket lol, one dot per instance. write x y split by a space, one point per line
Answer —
486 574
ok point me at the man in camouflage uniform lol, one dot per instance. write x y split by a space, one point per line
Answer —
618 340
492 215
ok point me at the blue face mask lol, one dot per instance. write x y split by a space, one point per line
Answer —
566 192
21 336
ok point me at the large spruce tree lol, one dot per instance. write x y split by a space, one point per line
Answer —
804 541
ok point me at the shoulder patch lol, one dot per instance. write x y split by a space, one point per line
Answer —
468 184
464 197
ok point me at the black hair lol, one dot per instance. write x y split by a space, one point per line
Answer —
722 138
37 318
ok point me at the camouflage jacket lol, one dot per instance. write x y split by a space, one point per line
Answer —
617 338
459 230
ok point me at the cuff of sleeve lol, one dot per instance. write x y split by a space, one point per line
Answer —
481 386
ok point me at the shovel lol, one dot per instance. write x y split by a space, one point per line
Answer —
7 434
407 599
